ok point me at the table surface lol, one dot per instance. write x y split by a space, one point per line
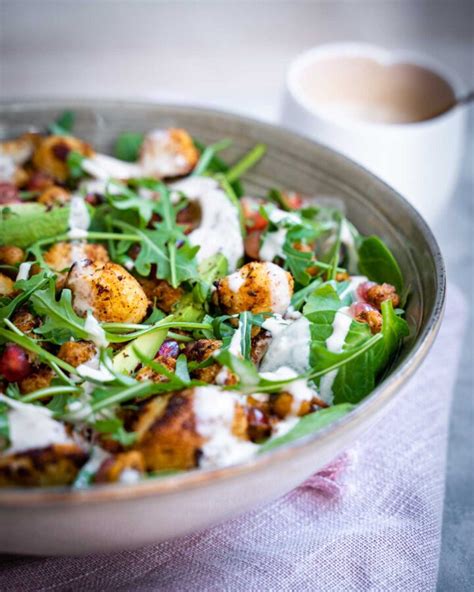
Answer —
234 55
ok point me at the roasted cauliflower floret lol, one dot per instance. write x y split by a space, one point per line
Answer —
200 351
6 285
25 320
373 318
60 256
168 153
57 464
125 466
77 352
51 155
11 255
19 150
257 287
54 196
109 291
147 373
40 378
168 437
161 293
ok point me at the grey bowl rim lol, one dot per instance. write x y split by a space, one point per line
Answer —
380 397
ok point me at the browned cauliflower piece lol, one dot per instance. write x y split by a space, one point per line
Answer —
147 373
25 321
57 464
200 351
6 285
168 437
115 467
161 293
373 318
168 153
59 257
109 291
40 378
54 196
11 255
20 150
257 287
51 155
77 352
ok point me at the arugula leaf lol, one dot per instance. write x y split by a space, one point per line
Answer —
113 429
123 198
127 146
301 296
246 162
308 425
4 426
377 262
60 322
208 157
74 162
25 223
174 266
217 165
63 125
245 326
28 287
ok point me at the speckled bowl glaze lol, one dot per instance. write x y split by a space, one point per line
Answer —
109 517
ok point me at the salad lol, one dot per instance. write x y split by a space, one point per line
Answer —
157 318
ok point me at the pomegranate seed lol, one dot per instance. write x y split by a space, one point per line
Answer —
94 199
359 307
61 151
169 349
363 289
14 364
258 424
8 194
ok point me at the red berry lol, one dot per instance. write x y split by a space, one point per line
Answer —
14 364
8 194
169 349
359 307
363 289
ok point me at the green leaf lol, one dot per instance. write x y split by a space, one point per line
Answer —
208 157
113 429
123 198
127 146
4 426
246 162
60 322
245 326
63 125
309 424
301 296
27 288
324 298
24 224
217 165
74 162
378 263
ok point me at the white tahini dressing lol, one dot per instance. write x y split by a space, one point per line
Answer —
106 167
32 426
290 345
335 343
272 245
219 231
24 270
279 287
354 282
7 168
79 219
300 391
235 281
95 332
214 411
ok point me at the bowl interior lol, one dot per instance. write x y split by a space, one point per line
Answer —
292 162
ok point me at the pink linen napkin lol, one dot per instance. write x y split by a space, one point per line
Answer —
369 521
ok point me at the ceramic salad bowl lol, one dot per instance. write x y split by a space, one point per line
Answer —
108 517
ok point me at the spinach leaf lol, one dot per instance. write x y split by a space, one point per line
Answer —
378 263
308 425
127 146
63 125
